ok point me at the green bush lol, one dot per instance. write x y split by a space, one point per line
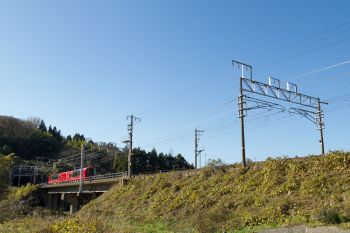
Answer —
330 216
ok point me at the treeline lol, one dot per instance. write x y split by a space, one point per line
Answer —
29 139
149 162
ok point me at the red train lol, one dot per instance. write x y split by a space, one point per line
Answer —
71 176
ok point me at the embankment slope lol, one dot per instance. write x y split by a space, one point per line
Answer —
311 190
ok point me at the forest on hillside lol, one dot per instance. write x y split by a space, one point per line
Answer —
31 141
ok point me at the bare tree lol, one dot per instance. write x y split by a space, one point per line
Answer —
34 122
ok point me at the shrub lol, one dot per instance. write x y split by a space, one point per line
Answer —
177 188
165 185
330 216
25 191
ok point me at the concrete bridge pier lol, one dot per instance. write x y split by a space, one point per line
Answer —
74 206
66 196
55 202
68 201
47 201
74 200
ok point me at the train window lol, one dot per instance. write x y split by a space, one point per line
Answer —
90 171
54 177
76 173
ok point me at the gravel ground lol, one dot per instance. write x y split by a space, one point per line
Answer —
306 229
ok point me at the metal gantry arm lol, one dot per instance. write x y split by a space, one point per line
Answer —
312 116
244 67
261 104
276 92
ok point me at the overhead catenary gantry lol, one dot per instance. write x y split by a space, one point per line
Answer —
309 106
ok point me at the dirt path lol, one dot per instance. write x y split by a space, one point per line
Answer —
306 229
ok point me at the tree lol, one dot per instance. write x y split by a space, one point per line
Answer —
149 162
153 163
180 162
215 163
120 162
34 122
78 137
50 130
42 126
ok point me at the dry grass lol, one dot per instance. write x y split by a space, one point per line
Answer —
312 190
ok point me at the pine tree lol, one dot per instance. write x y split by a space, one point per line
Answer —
42 126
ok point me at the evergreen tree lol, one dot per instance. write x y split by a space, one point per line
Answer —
50 130
42 126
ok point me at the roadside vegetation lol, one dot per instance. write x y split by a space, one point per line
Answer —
314 190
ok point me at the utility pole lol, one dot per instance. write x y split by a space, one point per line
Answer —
241 116
241 103
319 120
19 176
197 152
133 119
81 167
10 177
34 174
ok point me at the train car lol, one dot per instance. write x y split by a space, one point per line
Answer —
71 176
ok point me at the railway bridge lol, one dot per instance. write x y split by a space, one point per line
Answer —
68 196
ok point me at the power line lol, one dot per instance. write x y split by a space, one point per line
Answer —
311 50
317 70
312 42
293 44
192 124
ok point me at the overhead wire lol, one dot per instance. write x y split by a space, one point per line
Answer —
316 71
312 36
301 45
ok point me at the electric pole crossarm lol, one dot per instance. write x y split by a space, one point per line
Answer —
242 66
262 104
311 116
278 93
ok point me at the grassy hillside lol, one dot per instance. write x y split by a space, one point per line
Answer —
314 190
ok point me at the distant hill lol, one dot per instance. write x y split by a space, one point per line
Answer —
27 140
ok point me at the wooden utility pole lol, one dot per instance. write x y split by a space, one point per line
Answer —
319 120
133 119
197 152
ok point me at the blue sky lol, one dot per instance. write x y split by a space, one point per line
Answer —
83 66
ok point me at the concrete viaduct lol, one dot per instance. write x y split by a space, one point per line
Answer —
66 196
